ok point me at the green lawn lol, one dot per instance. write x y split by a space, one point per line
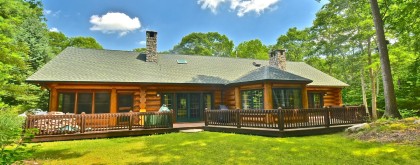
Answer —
223 148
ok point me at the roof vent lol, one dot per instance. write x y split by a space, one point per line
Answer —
255 64
182 61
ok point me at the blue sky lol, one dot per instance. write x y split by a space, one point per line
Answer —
121 24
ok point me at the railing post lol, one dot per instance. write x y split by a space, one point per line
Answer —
206 120
280 119
238 118
82 129
327 117
27 121
171 121
130 124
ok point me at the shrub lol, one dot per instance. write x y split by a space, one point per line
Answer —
405 113
13 137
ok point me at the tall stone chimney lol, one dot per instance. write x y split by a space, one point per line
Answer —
278 59
151 46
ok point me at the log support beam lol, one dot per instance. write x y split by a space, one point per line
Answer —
268 95
237 98
304 96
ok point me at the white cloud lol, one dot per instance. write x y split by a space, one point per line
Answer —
241 7
142 42
244 6
211 4
114 22
54 30
46 12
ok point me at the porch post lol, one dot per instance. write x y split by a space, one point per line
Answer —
268 96
304 96
113 103
53 99
237 98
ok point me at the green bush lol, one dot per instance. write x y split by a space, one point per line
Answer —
13 138
405 113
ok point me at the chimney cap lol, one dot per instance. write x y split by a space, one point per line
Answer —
151 33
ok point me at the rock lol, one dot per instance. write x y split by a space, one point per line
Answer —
357 127
417 122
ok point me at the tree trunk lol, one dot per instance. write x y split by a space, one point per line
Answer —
389 94
372 78
364 91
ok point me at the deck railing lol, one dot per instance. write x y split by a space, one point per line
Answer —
286 118
89 123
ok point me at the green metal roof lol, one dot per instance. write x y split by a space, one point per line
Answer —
114 66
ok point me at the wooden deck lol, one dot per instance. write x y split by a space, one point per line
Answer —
198 125
277 123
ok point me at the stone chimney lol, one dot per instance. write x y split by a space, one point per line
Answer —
278 59
151 46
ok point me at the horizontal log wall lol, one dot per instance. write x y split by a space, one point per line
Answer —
332 96
146 99
145 96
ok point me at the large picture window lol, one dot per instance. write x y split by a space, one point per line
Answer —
252 99
66 102
287 98
125 101
84 101
102 102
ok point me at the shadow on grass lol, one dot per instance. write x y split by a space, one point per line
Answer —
58 154
192 149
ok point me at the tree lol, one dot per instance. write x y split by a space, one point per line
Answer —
84 42
297 42
142 50
58 42
252 49
33 34
205 44
20 51
390 99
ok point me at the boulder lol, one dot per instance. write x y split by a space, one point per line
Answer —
357 127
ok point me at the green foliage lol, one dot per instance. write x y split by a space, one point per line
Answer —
406 113
84 42
205 44
296 43
252 49
57 41
23 49
142 50
13 138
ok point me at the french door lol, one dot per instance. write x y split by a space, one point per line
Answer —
188 107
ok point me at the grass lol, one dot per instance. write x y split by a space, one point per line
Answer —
223 148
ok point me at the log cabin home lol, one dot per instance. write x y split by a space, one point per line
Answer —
111 81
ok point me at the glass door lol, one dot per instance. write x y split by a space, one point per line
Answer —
195 110
182 107
188 107
315 100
